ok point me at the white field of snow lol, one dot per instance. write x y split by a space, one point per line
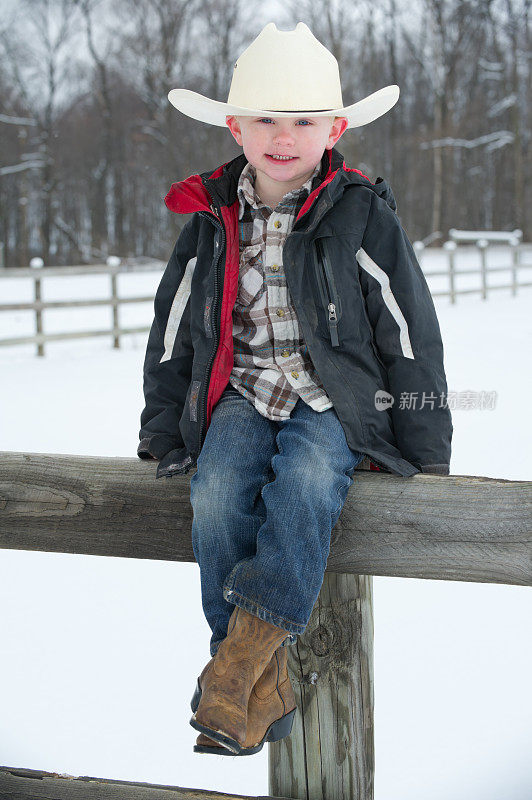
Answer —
99 656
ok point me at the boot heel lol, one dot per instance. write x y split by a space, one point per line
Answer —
196 697
282 727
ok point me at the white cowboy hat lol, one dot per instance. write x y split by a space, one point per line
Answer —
282 74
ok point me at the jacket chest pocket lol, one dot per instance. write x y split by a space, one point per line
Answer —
330 299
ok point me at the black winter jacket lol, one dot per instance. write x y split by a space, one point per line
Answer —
362 302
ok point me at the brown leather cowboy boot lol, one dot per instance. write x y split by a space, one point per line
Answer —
228 679
271 710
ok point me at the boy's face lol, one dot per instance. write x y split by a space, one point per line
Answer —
302 138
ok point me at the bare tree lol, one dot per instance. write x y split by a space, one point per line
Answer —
106 180
519 70
157 46
52 30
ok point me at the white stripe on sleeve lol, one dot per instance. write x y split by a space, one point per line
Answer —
176 312
367 263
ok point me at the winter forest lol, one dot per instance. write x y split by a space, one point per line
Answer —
91 144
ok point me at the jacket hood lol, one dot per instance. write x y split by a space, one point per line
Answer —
384 190
217 188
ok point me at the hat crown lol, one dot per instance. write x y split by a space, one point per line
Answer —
286 71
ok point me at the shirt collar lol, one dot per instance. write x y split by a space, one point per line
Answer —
246 189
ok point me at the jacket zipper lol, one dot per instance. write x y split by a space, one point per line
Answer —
331 294
202 399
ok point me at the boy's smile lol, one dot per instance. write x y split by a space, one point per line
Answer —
284 150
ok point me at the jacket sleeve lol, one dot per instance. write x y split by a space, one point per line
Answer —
169 353
408 339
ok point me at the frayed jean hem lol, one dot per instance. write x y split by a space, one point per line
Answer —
293 629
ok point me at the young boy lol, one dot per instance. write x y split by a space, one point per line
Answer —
294 336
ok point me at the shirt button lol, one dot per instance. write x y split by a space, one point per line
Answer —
285 353
294 374
280 312
277 223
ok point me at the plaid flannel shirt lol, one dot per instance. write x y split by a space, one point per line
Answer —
272 366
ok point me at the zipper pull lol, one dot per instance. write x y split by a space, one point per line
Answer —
214 211
332 312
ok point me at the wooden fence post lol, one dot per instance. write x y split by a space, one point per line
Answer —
330 753
38 314
450 247
114 301
516 262
482 245
113 262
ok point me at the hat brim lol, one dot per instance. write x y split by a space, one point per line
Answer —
214 112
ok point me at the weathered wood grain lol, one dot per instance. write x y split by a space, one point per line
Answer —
456 527
33 784
330 752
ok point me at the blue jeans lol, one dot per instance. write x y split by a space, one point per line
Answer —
265 497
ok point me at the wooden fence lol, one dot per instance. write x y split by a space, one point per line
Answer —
455 527
38 305
479 242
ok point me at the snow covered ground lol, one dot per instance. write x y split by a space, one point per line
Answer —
101 654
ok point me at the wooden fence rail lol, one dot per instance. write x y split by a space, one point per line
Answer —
454 527
34 784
